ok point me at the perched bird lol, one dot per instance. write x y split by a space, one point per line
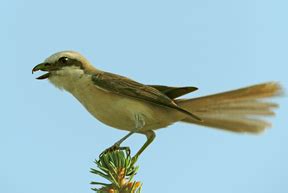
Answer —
125 104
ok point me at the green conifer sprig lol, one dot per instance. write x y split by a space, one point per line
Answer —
119 169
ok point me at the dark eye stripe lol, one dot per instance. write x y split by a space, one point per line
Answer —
77 63
65 61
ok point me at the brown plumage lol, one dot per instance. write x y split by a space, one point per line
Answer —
238 110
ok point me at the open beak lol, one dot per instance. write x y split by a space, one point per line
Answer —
43 67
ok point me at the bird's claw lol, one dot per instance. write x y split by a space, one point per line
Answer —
116 147
110 149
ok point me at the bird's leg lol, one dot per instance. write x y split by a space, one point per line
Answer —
116 145
150 137
140 123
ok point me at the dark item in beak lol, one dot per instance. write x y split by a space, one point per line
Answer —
43 67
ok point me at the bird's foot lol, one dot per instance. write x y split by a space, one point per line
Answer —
116 147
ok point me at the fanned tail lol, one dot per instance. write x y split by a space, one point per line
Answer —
238 110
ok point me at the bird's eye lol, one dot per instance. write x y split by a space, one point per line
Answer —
63 60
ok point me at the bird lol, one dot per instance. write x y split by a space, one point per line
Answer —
125 104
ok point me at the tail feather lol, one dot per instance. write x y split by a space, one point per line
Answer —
238 110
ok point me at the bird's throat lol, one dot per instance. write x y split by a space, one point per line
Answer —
68 78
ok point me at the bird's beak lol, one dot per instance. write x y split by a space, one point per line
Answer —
43 67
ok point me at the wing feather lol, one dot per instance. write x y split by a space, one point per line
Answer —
174 92
124 86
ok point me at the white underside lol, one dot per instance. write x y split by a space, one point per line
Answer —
112 109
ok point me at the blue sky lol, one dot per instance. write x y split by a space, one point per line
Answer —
47 139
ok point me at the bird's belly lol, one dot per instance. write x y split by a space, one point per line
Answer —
119 111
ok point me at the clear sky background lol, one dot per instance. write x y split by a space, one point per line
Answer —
47 139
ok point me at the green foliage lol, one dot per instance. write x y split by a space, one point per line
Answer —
118 168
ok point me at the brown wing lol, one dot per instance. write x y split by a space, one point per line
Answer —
174 92
127 87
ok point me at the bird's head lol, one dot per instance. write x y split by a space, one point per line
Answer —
60 60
